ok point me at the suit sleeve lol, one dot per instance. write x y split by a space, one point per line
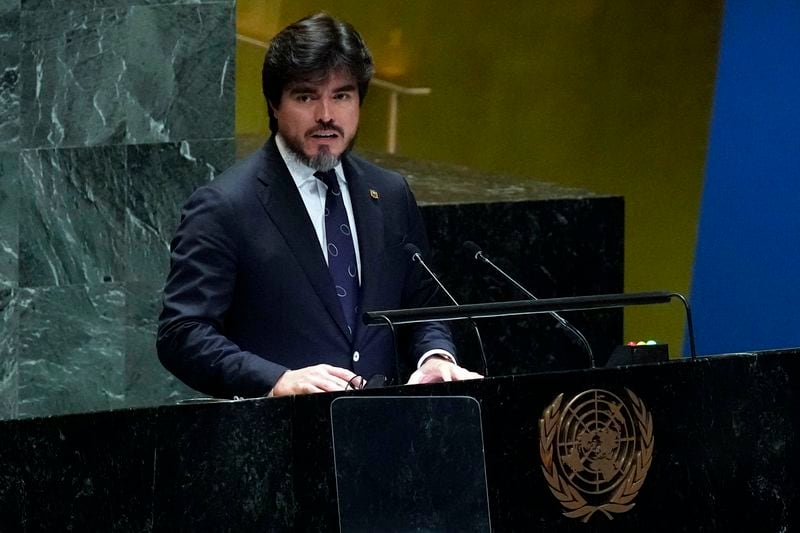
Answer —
421 291
191 342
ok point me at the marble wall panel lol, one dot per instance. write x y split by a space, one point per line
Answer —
72 216
33 5
9 368
73 71
9 5
161 178
9 74
105 72
181 66
85 218
71 349
146 381
9 218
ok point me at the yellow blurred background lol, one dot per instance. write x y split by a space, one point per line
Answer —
610 96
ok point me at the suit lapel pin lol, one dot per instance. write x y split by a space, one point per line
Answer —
374 194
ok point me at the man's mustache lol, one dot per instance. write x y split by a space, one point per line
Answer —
326 127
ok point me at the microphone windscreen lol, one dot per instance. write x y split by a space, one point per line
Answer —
472 248
412 249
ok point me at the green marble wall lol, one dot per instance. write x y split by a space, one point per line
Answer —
111 113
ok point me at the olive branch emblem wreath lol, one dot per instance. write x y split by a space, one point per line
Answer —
601 456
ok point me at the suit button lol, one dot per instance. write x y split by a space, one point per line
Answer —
356 356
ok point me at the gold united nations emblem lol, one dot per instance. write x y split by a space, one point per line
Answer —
596 451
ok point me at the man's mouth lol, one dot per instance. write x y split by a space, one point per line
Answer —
324 134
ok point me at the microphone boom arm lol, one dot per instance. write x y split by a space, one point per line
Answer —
524 308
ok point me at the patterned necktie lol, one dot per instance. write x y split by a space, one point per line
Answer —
341 251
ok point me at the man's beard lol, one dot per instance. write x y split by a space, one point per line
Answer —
323 160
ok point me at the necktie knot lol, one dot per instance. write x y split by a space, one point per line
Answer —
328 177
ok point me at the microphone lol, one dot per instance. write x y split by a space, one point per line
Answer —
416 256
477 254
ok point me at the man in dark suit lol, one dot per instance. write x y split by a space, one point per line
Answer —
274 262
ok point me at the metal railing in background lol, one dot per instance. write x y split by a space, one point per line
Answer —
394 96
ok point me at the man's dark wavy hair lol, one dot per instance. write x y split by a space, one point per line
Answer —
310 49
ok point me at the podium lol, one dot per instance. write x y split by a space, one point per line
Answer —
721 455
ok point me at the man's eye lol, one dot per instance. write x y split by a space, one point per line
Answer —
343 96
303 97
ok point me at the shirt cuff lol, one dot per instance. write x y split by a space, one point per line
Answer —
436 352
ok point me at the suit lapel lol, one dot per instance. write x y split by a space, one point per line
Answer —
285 207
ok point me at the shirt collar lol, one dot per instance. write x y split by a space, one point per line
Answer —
301 173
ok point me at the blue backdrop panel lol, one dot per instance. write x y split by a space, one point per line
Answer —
747 267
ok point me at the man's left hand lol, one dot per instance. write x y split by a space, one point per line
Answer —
437 369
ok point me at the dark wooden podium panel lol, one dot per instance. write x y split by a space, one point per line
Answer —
721 454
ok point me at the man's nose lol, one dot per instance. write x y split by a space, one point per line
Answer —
323 110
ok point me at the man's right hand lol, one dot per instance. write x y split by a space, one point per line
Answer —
317 378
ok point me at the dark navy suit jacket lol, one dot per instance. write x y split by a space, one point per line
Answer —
249 294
